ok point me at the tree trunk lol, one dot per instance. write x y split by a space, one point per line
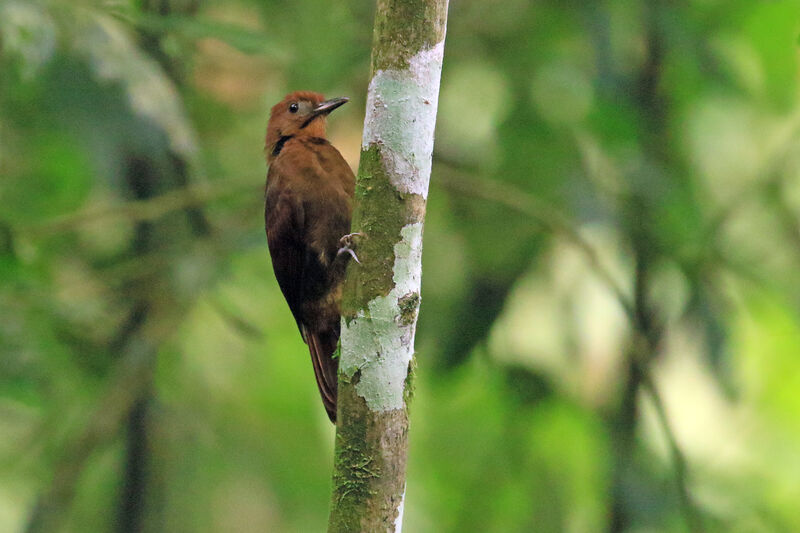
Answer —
382 294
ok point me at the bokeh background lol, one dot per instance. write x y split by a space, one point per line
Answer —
609 337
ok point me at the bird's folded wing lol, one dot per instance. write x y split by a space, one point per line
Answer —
284 225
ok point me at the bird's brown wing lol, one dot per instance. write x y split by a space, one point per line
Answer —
299 275
283 218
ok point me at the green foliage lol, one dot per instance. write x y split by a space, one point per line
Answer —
664 135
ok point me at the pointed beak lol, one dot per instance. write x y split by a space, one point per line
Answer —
327 106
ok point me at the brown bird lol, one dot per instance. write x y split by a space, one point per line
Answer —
307 215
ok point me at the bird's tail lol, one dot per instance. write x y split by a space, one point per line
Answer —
322 346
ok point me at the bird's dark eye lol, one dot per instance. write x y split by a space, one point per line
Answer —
293 107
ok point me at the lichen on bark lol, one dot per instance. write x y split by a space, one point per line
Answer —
379 341
403 28
401 117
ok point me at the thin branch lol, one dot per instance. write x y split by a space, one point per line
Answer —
678 459
129 378
544 215
553 221
141 210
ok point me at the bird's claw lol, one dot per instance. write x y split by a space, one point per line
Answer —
349 251
348 244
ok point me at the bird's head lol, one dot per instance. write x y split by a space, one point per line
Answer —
299 113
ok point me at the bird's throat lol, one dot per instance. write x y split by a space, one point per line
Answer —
279 144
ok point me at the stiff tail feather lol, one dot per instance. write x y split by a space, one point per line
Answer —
321 346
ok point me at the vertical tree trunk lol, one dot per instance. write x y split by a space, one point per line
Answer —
382 294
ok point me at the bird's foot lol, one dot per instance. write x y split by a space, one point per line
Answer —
348 245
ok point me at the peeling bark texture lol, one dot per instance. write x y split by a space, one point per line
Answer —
382 295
